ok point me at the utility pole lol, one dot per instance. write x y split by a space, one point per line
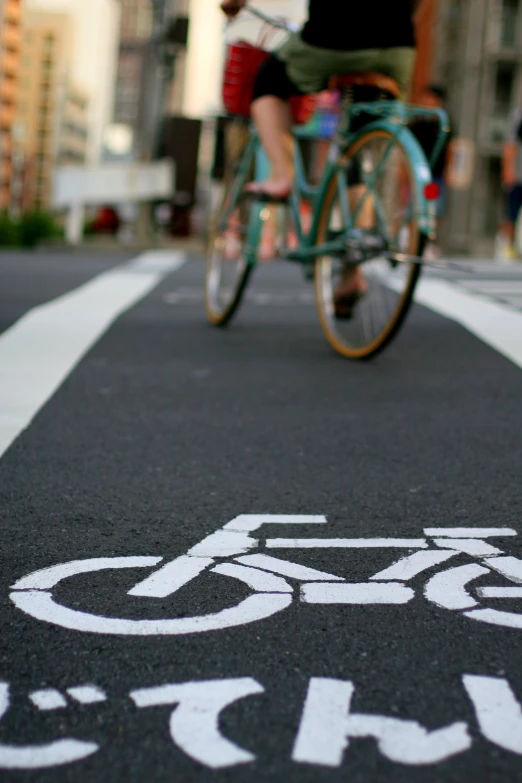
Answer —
158 72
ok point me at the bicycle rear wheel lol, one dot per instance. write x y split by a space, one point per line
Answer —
227 269
386 199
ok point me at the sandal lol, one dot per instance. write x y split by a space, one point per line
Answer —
266 198
345 303
256 191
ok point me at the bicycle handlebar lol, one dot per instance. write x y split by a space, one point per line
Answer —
280 24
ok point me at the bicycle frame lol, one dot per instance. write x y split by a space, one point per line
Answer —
391 117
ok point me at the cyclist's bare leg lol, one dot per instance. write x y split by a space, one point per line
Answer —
353 280
274 123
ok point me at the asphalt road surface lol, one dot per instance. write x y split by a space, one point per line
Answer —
234 556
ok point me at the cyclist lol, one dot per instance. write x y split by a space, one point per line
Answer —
356 36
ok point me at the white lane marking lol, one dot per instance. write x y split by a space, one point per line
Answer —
48 699
492 323
327 725
498 712
246 523
408 567
470 546
352 593
223 543
194 723
496 617
39 351
284 567
87 694
170 577
448 589
49 577
54 754
345 543
260 581
41 606
499 592
469 532
510 567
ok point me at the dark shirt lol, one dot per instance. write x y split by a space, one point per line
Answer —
349 25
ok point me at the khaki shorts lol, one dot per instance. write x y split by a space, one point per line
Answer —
309 67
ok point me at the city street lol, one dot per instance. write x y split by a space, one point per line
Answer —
231 555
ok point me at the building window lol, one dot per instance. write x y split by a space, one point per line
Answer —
509 23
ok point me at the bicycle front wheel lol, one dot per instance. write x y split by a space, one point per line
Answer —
227 269
383 201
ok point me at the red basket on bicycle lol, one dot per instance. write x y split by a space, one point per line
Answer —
243 61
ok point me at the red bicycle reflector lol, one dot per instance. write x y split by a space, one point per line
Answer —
432 192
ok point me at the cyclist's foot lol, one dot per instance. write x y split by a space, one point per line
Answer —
274 190
232 245
352 288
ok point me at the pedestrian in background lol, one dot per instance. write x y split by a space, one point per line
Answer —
426 130
512 185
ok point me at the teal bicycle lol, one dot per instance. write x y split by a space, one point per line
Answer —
374 208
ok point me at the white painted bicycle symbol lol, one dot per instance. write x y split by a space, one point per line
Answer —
234 553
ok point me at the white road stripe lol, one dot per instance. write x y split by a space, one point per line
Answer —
41 349
494 324
353 593
510 567
48 699
345 543
87 694
498 712
499 592
448 589
411 565
469 532
284 567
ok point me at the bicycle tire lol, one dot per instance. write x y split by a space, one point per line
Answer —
221 303
336 332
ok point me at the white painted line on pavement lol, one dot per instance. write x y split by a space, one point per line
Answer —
495 617
194 723
40 604
510 567
469 532
40 350
257 580
87 694
411 565
168 579
247 523
352 593
498 711
48 699
448 589
284 567
499 592
470 546
49 577
494 324
345 543
328 724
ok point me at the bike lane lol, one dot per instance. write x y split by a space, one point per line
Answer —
168 431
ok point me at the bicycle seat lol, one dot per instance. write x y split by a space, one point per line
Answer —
365 79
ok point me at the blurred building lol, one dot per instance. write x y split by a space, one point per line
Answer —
478 58
139 97
93 59
10 43
206 47
52 115
135 32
